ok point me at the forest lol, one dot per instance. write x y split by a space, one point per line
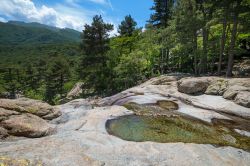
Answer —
199 37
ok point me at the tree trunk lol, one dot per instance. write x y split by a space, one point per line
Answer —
194 52
203 67
167 58
233 40
223 41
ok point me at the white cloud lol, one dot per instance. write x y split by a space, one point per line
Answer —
25 10
68 14
2 19
99 1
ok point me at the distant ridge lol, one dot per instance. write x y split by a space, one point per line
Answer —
18 33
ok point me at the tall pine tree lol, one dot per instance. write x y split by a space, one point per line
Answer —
95 44
162 13
127 27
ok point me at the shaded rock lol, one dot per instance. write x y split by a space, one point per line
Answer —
232 91
26 125
4 114
35 107
243 99
217 88
193 85
242 68
3 133
75 91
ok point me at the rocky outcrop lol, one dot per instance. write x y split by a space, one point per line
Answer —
81 137
76 91
26 118
24 105
217 87
83 140
228 88
243 98
194 85
26 125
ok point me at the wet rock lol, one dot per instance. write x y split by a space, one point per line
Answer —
193 85
168 105
24 105
217 88
243 99
26 125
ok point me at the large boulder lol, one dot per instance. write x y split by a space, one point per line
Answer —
24 105
239 81
217 88
193 85
243 98
26 125
76 91
232 91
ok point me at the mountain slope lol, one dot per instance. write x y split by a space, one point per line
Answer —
19 33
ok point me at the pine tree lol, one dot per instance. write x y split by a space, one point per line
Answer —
163 13
127 27
56 76
31 78
95 44
11 84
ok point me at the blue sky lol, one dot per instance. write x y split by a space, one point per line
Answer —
74 13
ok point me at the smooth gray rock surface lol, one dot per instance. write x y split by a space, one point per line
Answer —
85 141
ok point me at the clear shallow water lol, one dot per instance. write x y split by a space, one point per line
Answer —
174 129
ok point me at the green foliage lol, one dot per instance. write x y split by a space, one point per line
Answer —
56 76
162 13
18 33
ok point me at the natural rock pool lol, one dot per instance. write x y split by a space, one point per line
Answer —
173 128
